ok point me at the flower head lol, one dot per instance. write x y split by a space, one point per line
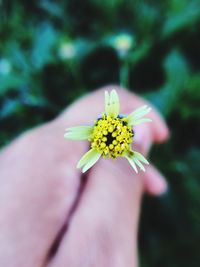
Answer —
111 135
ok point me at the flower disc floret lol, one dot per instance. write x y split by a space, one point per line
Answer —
111 136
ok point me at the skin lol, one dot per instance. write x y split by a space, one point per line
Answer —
53 216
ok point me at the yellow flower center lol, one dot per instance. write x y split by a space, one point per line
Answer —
111 136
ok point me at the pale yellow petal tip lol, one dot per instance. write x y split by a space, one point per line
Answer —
78 133
113 91
78 165
137 116
114 95
81 162
137 160
65 135
106 96
132 163
88 160
85 168
112 104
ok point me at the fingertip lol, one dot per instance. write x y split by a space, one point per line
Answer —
154 182
162 134
160 129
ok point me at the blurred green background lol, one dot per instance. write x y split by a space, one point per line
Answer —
51 52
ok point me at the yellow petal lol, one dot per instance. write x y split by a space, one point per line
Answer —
88 159
137 162
78 133
112 104
144 120
135 117
132 163
140 157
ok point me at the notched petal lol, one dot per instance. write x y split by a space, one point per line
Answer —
112 104
144 120
140 157
88 159
134 118
136 159
132 163
78 133
137 162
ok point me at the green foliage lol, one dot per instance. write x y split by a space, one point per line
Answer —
51 52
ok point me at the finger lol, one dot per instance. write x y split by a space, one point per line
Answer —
103 231
154 182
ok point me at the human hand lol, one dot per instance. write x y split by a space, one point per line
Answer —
52 215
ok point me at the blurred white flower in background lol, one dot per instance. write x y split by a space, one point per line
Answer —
123 43
67 50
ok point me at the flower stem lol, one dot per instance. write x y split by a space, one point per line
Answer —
124 73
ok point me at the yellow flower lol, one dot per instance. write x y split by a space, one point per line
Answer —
111 135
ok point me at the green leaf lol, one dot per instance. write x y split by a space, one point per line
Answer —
44 42
10 81
177 75
186 17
